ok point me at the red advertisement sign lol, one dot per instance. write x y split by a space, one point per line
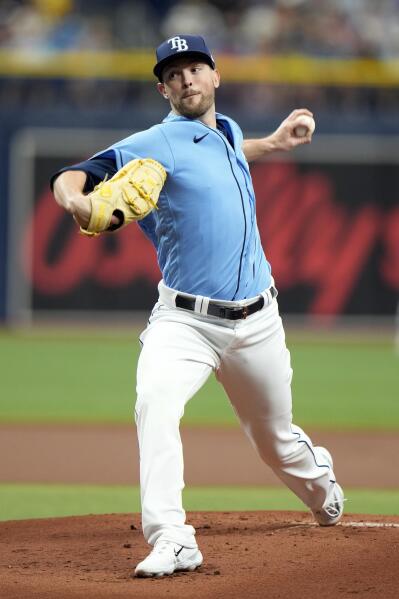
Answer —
329 229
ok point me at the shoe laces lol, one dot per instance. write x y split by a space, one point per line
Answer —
333 509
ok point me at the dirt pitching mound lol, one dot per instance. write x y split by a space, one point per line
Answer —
246 555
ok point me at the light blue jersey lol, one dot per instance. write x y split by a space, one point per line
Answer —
205 229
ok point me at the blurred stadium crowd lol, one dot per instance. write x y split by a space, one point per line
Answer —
317 28
348 28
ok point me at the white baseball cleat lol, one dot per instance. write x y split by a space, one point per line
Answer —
333 508
168 557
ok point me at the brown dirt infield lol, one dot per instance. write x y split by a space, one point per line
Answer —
93 454
247 555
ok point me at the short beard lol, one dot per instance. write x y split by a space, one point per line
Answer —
197 111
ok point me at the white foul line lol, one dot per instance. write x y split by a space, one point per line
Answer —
370 524
354 524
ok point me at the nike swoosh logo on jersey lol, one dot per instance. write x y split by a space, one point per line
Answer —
198 139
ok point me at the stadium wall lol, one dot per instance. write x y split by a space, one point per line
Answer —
328 215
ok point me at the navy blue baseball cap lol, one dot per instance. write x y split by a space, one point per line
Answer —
182 45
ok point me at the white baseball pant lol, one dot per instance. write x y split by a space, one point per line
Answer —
179 351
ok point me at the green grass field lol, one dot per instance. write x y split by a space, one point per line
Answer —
71 376
67 376
19 501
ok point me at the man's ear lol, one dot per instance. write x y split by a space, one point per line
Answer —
216 78
162 91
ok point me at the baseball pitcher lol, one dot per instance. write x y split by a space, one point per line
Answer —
186 181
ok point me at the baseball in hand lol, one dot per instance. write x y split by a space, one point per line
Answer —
305 125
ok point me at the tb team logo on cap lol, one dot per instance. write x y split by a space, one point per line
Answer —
191 45
178 43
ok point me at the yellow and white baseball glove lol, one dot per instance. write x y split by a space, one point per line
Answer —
131 194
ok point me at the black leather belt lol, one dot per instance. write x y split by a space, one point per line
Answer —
216 309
